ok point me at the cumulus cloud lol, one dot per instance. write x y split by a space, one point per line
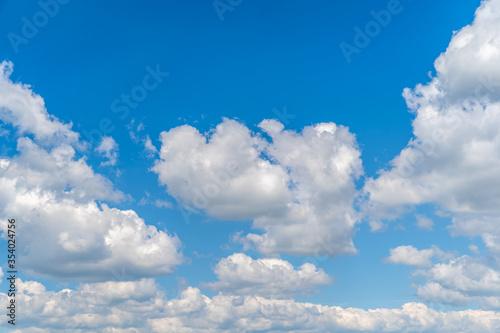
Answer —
408 255
111 306
411 256
66 233
56 170
141 306
298 188
454 157
460 281
470 66
226 176
452 280
26 111
434 292
239 274
86 241
108 149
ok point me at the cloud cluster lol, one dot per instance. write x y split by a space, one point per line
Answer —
461 281
141 306
66 233
453 161
239 274
451 280
454 157
298 187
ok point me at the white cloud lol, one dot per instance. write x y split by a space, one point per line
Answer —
408 255
299 188
453 281
454 157
26 111
108 148
474 249
86 241
423 222
239 274
376 226
94 307
470 66
149 148
435 292
460 281
56 170
66 234
141 306
225 176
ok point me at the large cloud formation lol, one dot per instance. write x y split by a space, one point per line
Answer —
454 158
66 233
299 188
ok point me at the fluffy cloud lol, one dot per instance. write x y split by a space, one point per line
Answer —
239 274
141 306
108 148
86 241
470 66
65 233
299 188
434 292
98 307
58 171
408 255
454 157
460 281
226 176
26 111
452 280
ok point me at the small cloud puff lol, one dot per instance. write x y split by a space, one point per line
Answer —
108 149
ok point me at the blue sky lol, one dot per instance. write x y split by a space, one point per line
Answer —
216 71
